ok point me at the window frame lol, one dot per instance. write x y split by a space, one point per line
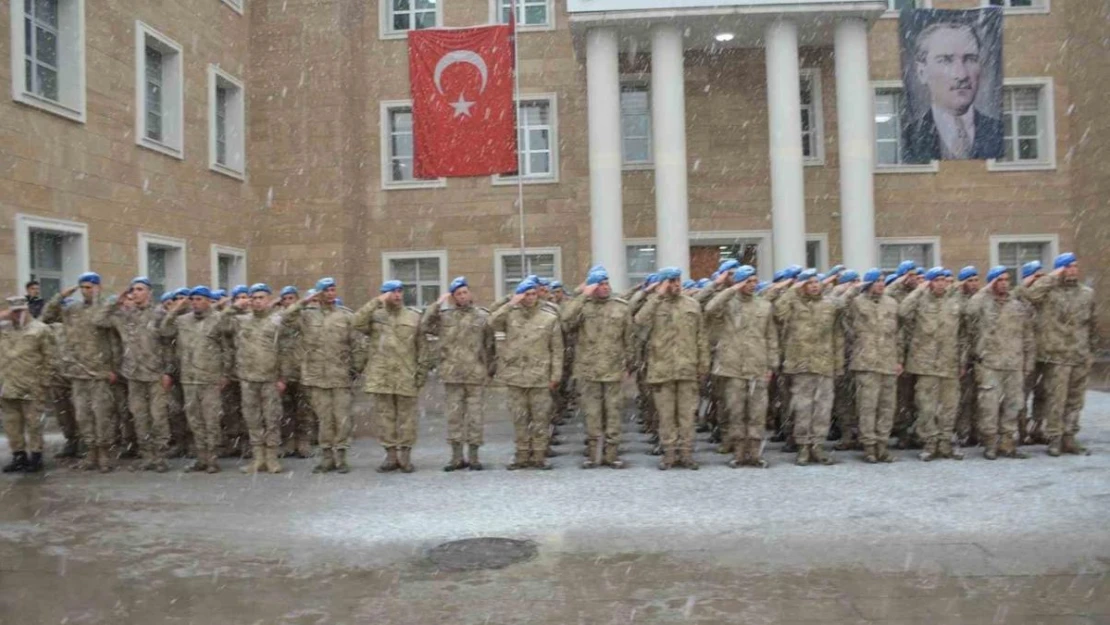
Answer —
1052 241
174 95
822 241
215 251
385 20
931 240
635 278
499 269
931 167
890 13
553 141
495 17
813 74
1046 105
235 5
627 165
25 224
385 134
1012 10
180 273
418 255
73 105
215 76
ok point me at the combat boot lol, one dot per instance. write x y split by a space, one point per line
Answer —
990 448
473 462
457 461
341 465
404 460
668 459
34 465
1071 446
847 441
791 446
520 460
739 455
18 463
258 461
104 460
388 465
213 464
304 448
539 461
883 453
200 464
726 447
945 450
929 452
657 450
272 464
803 456
686 459
160 465
817 452
1054 447
612 457
870 456
1008 448
89 462
69 450
591 455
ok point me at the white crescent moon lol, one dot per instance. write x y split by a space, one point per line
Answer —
461 56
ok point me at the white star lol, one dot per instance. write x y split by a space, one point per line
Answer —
462 107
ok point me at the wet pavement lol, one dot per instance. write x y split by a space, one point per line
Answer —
945 542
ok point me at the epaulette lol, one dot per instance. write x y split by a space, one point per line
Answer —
415 310
482 309
620 299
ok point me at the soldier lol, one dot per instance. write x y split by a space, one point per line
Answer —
812 326
1067 334
902 282
967 413
782 421
181 438
91 371
59 394
677 359
297 425
935 352
1031 431
844 421
334 355
126 438
26 356
875 362
563 399
604 329
645 406
710 414
1003 350
200 344
747 352
234 435
531 365
144 367
466 363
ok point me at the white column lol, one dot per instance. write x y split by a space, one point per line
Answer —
604 118
668 127
856 136
784 112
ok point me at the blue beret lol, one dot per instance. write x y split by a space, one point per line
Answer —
541 281
260 287
779 276
141 280
201 291
670 273
556 285
324 283
689 284
872 276
743 272
391 285
947 273
821 277
968 272
311 293
457 284
836 270
90 277
714 275
848 275
240 289
218 293
891 278
288 290
167 296
905 267
728 265
807 274
524 287
934 273
597 276
762 286
339 301
704 282
182 292
792 271
1066 259
1030 268
995 272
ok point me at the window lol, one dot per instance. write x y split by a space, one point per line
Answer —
1027 125
817 251
400 16
544 262
52 251
397 148
530 14
162 259
1013 251
923 251
49 37
159 92
640 260
889 147
229 267
537 140
236 5
813 149
1020 6
895 6
636 124
226 123
424 275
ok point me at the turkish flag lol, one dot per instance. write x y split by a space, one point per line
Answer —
464 122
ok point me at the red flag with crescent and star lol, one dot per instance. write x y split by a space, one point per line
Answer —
462 101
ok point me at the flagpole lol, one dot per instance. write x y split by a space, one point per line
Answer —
519 153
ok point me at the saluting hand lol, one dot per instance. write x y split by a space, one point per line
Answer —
69 291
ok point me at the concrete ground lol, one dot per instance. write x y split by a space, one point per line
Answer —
947 542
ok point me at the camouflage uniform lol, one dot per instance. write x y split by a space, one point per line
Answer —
604 331
233 427
747 352
200 347
26 364
933 343
60 392
298 424
968 412
677 358
715 416
1066 340
127 438
905 413
530 362
874 359
645 406
255 353
779 417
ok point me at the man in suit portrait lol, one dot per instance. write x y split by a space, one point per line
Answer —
947 63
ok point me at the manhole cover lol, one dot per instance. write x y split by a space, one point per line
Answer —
473 554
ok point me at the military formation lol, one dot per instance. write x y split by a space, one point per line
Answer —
919 358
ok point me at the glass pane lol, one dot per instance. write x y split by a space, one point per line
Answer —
401 21
154 126
223 272
46 11
156 263
1026 99
408 295
886 130
153 97
813 249
153 65
1027 149
1009 151
48 82
535 15
428 293
28 76
807 149
537 140
511 267
640 259
46 251
425 5
402 145
426 20
534 113
429 269
542 265
637 150
805 120
539 163
1027 125
400 6
807 91
46 46
49 287
887 153
403 270
402 120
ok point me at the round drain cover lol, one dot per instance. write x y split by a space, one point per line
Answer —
473 554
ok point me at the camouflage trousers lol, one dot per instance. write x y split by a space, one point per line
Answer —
967 413
180 436
601 402
396 419
1000 397
844 409
811 400
782 421
935 399
676 403
333 413
298 423
127 436
875 402
744 407
1064 389
148 406
262 412
1031 421
234 428
905 412
465 413
202 409
531 412
92 402
22 424
61 405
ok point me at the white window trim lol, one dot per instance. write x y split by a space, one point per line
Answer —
495 17
637 80
142 31
214 258
553 110
387 183
814 75
385 21
215 72
76 113
440 255
1047 97
935 241
931 167
146 240
1053 241
823 256
1041 10
893 13
23 226
236 5
498 271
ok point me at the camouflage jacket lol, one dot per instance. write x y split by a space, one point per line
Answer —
466 342
676 341
396 358
89 344
872 322
1001 332
931 335
334 352
254 345
532 354
748 340
200 345
143 353
1065 320
812 332
604 337
26 360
